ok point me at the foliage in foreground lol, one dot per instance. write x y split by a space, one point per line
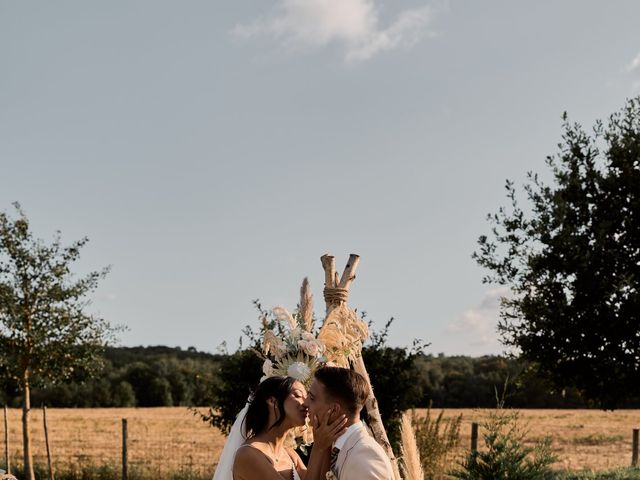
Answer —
571 259
505 455
111 471
436 439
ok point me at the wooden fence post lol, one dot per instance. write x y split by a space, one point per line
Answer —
124 449
6 440
634 447
474 437
46 441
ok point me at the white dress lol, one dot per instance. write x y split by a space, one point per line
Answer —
294 471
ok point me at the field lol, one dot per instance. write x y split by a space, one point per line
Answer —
582 439
163 440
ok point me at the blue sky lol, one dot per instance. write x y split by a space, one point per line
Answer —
213 151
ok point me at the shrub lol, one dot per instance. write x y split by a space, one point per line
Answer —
506 456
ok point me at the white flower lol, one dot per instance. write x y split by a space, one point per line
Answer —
299 370
267 367
308 337
311 348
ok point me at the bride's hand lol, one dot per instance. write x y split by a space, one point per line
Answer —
327 431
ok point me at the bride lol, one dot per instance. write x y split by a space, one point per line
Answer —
275 408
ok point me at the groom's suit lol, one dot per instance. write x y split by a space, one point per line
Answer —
361 458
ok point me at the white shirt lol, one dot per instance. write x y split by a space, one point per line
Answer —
342 439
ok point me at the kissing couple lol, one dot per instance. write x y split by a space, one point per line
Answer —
342 448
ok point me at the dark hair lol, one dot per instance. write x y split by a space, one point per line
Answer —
344 385
257 417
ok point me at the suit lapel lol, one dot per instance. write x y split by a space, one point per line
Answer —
354 438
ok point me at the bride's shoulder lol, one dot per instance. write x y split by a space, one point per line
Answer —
250 453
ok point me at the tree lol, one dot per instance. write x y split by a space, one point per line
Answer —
395 378
45 333
572 262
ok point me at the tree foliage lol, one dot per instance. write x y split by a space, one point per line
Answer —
395 378
45 332
572 262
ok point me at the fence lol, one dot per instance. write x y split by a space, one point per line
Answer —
158 441
168 440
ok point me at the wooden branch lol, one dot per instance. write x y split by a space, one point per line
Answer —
329 265
375 420
349 273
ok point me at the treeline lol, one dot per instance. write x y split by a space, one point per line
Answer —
132 377
164 376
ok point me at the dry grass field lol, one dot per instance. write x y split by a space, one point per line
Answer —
172 439
160 440
581 439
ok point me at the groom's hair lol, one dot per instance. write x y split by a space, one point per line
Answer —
345 386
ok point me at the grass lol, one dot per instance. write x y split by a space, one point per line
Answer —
162 442
583 440
598 439
172 443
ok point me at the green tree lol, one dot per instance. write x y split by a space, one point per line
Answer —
572 262
395 378
45 332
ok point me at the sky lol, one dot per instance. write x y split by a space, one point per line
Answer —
213 151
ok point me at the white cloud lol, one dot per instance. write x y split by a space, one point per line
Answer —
476 327
634 65
352 24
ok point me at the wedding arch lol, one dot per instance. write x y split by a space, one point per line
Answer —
336 296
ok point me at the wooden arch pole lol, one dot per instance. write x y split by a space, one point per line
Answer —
336 293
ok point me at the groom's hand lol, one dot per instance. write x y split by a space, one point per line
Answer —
326 429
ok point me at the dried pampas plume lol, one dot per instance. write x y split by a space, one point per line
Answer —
283 316
342 334
411 465
306 305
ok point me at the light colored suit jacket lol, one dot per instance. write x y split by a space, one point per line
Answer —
361 458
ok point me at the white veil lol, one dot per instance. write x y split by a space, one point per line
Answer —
237 436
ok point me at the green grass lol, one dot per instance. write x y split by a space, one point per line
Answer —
110 472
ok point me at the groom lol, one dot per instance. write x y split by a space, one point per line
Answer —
355 455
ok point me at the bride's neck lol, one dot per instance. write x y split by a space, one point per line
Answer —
275 438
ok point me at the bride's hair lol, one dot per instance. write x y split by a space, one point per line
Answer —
257 417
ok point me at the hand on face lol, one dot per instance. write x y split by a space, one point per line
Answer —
328 427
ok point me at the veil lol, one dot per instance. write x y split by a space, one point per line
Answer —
237 436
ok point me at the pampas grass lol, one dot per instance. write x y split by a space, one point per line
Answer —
410 461
306 305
